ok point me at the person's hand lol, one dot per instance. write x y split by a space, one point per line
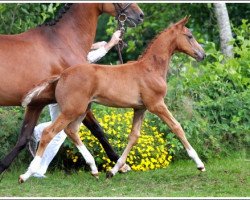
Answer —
116 37
113 41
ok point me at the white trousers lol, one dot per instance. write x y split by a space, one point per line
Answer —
54 145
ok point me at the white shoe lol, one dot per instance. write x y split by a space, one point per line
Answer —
37 175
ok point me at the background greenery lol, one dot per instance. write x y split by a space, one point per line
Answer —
210 99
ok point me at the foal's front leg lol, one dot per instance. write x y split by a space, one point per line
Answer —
133 138
161 110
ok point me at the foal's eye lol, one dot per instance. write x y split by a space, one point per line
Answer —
189 36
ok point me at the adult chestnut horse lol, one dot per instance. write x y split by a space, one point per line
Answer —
30 57
140 85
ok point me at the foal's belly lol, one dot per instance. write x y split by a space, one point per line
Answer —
119 101
122 92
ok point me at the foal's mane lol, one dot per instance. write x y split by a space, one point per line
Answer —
152 41
59 15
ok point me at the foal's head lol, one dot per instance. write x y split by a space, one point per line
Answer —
129 12
186 42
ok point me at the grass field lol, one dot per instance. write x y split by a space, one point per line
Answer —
228 177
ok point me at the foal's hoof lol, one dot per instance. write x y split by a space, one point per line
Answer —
202 169
125 168
20 179
109 175
96 175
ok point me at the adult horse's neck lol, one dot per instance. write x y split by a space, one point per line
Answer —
76 28
158 53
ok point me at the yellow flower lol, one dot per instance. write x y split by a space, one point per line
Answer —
153 128
150 153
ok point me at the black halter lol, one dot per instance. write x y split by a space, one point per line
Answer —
120 11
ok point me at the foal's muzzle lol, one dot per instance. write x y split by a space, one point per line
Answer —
200 55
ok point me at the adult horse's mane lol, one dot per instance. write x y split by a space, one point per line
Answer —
58 16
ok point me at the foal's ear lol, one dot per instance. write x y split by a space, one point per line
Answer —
183 21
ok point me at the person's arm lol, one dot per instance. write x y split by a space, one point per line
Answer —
96 55
98 45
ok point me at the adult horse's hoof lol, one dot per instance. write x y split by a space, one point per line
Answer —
20 179
96 175
109 175
202 169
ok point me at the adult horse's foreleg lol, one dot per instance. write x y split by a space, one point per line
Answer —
92 124
161 110
30 119
132 140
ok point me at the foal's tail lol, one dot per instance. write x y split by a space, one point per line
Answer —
43 91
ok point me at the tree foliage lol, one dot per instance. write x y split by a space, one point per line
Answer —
18 17
158 16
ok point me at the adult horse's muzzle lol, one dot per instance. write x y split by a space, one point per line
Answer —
132 22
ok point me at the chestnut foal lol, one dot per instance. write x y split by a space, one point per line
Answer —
140 85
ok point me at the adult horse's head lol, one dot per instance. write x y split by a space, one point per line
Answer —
129 12
186 42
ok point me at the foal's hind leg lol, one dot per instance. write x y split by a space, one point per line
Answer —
133 138
48 133
92 124
72 131
161 110
30 119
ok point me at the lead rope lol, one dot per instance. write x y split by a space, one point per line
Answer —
121 18
121 44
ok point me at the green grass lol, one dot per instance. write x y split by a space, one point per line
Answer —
228 177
